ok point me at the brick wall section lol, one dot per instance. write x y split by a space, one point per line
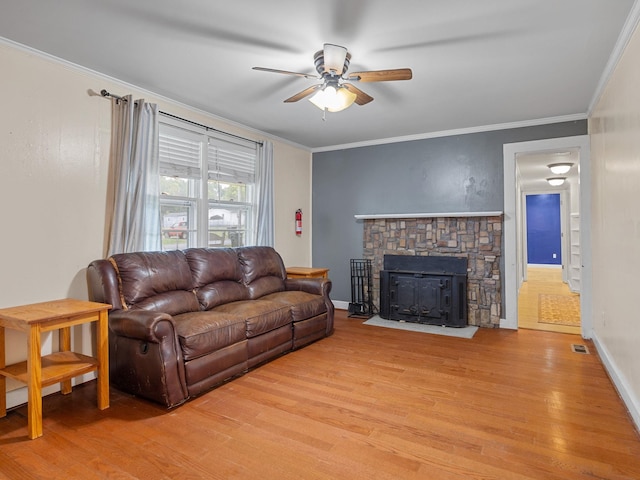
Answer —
478 239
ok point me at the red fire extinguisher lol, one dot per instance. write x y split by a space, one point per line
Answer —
298 222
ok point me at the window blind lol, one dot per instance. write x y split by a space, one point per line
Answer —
179 155
230 162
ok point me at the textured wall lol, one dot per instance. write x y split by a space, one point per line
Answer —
460 173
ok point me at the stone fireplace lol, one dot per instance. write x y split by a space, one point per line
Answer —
477 237
430 289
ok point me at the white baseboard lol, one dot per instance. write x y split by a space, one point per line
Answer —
628 397
341 304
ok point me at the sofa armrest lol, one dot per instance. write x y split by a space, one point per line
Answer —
102 282
318 286
145 325
145 357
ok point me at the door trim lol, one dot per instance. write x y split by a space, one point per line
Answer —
511 280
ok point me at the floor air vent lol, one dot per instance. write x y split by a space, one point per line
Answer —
579 349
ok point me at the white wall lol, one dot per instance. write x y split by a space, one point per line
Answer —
54 150
292 191
614 126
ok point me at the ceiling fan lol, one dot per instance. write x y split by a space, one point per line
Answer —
334 94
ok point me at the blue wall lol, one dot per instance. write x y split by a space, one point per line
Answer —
543 229
457 173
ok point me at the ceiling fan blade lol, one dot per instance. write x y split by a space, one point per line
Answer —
285 72
382 75
305 93
361 97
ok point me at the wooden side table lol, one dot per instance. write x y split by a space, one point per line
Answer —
38 371
307 272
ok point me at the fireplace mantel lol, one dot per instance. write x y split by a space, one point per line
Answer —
374 216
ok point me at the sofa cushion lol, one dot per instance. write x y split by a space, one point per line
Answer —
262 269
210 265
264 286
260 316
303 305
201 333
219 293
217 276
156 281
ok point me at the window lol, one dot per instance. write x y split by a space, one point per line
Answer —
207 188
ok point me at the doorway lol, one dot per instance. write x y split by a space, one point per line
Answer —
545 301
516 271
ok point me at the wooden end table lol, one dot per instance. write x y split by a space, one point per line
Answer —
40 371
307 272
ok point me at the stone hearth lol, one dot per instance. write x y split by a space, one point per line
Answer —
476 238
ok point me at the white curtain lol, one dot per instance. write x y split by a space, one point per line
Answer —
134 177
264 181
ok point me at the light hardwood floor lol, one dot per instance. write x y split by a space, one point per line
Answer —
365 403
541 280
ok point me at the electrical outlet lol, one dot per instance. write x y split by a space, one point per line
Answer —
555 256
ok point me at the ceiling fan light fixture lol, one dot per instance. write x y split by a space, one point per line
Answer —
560 168
318 99
333 99
332 64
556 181
334 57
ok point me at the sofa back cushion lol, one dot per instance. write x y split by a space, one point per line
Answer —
263 271
217 276
156 281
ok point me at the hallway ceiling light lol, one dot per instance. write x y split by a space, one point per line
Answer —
556 181
560 168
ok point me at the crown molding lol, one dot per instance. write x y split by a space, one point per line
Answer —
460 131
141 91
621 44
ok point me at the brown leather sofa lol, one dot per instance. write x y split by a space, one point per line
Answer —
185 321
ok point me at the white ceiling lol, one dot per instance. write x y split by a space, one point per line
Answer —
533 169
475 63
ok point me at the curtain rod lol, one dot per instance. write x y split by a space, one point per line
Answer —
105 94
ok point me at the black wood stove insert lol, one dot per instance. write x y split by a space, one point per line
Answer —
424 289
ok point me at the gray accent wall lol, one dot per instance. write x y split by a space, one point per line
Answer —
458 173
